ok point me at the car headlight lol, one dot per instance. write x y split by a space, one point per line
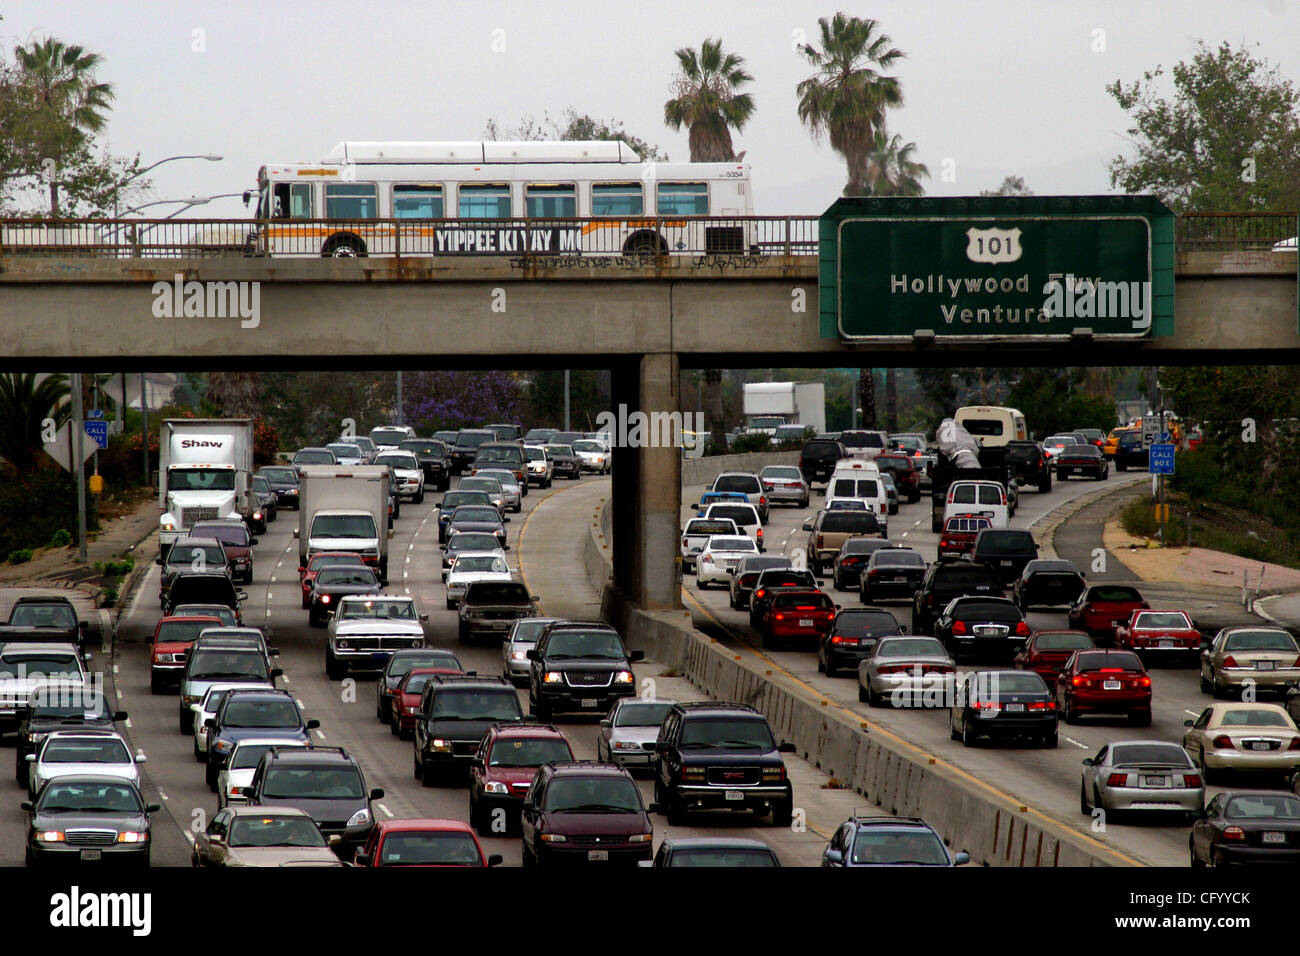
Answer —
441 746
495 786
625 745
132 836
640 838
623 677
341 644
50 836
189 699
223 746
554 838
360 817
168 526
519 655
553 677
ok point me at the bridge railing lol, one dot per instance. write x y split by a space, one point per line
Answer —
1234 231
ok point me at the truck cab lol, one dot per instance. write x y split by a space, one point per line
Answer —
205 472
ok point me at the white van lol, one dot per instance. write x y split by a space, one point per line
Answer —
992 425
987 498
860 481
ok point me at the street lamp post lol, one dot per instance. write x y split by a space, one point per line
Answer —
210 157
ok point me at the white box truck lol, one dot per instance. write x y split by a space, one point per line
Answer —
768 405
205 469
344 508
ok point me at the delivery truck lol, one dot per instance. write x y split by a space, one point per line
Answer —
344 508
205 471
768 405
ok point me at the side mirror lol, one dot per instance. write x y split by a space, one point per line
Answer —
961 859
424 618
361 859
30 758
476 763
534 599
295 532
902 628
653 808
82 625
807 525
1086 761
196 708
141 758
119 715
636 656
785 747
254 541
158 560
152 807
26 805
241 596
532 654
1188 723
645 863
210 722
313 724
377 793
277 672
390 532
606 722
335 839
833 856
505 520
273 652
695 505
496 859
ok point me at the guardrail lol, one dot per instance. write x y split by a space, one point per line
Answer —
650 235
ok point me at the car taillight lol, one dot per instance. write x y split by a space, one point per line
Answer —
1223 740
873 573
820 541
1191 780
1229 661
778 616
324 599
1295 744
760 592
759 535
1043 705
1144 680
893 668
841 639
1117 780
685 543
1022 629
1234 833
1077 680
850 560
985 705
959 627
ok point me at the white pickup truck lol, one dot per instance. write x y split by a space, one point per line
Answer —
367 628
696 535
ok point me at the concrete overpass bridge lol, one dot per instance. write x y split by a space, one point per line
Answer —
69 301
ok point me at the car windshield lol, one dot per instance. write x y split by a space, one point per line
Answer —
601 644
1264 806
33 666
466 704
989 685
732 544
335 561
897 558
476 562
1114 594
211 663
212 700
588 446
850 522
345 451
847 504
262 713
236 534
1063 642
200 479
957 577
261 485
783 472
559 451
43 615
505 479
246 756
279 474
596 794
181 631
323 457
710 527
898 849
497 592
429 849
349 577
472 439
865 623
399 665
1081 451
75 703
473 541
85 750
1169 755
746 484
641 715
507 453
397 460
1162 619
59 797
313 783
1254 718
727 733
456 499
343 526
986 611
274 831
436 449
719 856
222 613
476 513
804 600
1126 660
414 682
196 557
911 647
783 578
528 752
1259 641
388 436
1005 542
393 609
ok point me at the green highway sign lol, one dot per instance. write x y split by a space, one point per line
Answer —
996 269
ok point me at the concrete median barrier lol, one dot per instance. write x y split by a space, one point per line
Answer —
697 471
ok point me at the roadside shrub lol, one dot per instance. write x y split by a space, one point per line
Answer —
21 556
61 538
745 444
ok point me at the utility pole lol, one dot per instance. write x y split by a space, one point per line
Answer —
79 436
566 400
401 418
1160 424
144 426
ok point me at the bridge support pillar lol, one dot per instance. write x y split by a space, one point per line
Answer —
647 487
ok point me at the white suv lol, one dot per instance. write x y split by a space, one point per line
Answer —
410 476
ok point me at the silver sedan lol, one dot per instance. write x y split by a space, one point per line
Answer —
521 639
1153 775
785 484
511 492
907 671
627 735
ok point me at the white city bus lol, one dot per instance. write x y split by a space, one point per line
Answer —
444 198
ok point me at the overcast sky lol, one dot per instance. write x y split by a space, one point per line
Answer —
992 88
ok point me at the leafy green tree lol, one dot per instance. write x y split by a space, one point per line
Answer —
26 400
1052 402
1228 139
708 102
1011 186
575 127
846 99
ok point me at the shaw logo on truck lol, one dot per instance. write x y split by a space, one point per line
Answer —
194 443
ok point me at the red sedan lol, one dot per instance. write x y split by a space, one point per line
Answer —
172 639
797 617
1103 607
1161 632
427 842
406 699
324 559
1047 651
1104 682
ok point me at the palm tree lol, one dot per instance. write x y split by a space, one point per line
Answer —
891 170
706 99
235 394
26 400
61 80
848 96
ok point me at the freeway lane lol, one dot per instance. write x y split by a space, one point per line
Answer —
1047 780
551 559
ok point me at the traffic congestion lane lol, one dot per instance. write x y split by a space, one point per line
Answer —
1046 779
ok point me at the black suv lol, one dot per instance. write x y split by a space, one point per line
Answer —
59 707
1005 550
889 841
945 580
1029 464
326 783
818 459
465 450
455 712
852 636
434 459
579 666
717 756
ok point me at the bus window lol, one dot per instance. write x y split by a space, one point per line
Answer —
683 199
417 202
351 201
617 199
550 200
485 201
292 201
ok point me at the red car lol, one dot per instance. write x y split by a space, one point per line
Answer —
503 769
1170 633
1103 607
425 842
406 699
1046 651
797 617
172 639
1104 682
324 559
959 533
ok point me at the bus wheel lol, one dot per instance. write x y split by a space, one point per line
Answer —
645 243
344 247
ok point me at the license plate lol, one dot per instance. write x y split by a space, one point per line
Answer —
1014 708
1264 665
735 795
805 622
1153 781
1270 836
597 855
589 702
91 854
899 577
1005 564
1259 745
1166 643
1112 685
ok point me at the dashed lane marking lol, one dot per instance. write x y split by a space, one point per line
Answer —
387 812
1077 744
